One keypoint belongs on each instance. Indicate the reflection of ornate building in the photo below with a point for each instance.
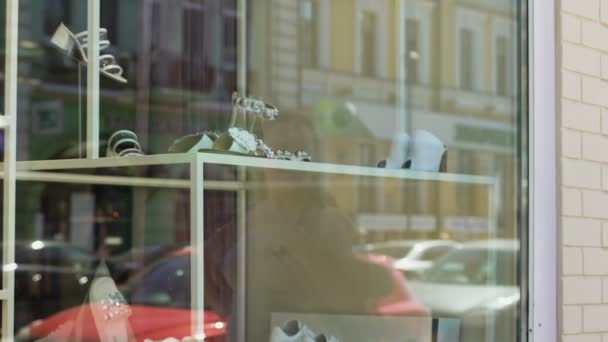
(444, 66)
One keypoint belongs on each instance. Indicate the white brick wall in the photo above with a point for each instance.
(584, 170)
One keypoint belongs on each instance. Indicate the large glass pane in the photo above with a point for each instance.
(400, 84)
(272, 170)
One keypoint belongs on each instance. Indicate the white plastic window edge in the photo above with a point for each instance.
(543, 236)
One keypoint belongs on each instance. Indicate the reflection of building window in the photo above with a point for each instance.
(466, 59)
(56, 12)
(109, 19)
(502, 69)
(368, 43)
(309, 14)
(230, 36)
(412, 50)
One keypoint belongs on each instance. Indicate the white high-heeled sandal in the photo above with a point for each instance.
(65, 40)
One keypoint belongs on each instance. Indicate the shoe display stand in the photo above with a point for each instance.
(78, 171)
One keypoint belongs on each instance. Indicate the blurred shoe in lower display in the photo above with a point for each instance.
(321, 338)
(292, 331)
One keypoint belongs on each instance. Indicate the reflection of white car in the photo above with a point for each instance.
(422, 255)
(413, 257)
(478, 284)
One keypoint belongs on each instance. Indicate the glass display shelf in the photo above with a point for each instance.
(29, 170)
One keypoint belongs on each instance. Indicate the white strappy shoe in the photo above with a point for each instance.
(65, 40)
(123, 143)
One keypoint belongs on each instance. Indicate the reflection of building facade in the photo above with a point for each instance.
(180, 61)
(444, 66)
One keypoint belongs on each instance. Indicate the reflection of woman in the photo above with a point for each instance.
(299, 247)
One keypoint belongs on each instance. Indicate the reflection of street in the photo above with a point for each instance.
(477, 284)
(49, 276)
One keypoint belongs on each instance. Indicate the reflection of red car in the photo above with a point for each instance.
(401, 301)
(159, 301)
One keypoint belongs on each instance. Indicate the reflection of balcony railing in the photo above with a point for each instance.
(318, 83)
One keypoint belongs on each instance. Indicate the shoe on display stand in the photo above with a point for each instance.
(109, 308)
(427, 152)
(75, 45)
(238, 139)
(321, 338)
(292, 331)
(193, 142)
(123, 143)
(422, 152)
(399, 157)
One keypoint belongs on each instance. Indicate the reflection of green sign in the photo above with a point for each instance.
(335, 117)
(484, 135)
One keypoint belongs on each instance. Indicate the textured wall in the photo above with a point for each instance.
(584, 170)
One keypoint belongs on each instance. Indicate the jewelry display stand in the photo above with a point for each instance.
(77, 171)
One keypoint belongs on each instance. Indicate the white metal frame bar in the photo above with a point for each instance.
(233, 160)
(92, 135)
(543, 238)
(10, 157)
(197, 242)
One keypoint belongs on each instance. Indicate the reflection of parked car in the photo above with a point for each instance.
(478, 285)
(123, 266)
(49, 276)
(159, 300)
(401, 300)
(413, 257)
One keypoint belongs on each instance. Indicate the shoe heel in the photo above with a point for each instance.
(63, 39)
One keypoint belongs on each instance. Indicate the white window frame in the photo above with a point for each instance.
(543, 228)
